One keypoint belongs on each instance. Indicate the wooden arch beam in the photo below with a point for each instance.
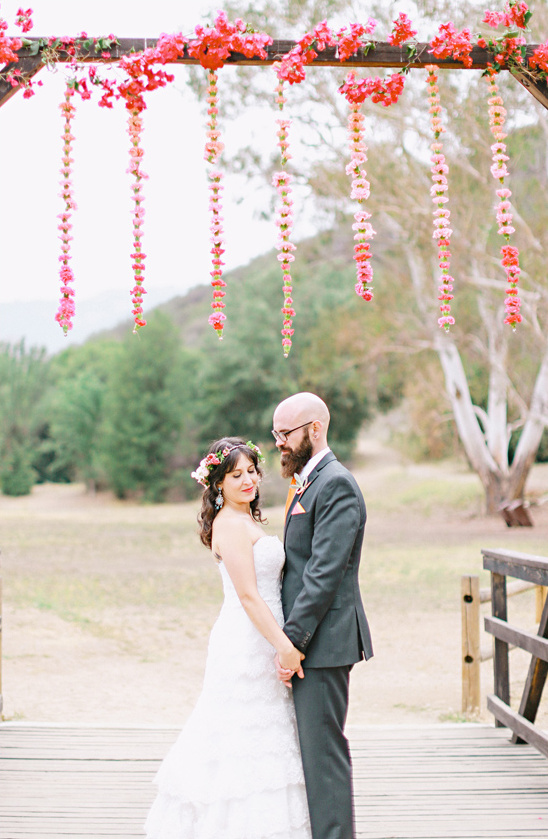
(382, 54)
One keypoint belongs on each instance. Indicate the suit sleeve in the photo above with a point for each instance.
(336, 526)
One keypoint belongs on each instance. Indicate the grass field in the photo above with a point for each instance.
(108, 604)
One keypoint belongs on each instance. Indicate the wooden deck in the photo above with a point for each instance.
(438, 782)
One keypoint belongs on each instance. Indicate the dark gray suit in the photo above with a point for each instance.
(325, 619)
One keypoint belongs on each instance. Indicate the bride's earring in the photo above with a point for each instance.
(219, 501)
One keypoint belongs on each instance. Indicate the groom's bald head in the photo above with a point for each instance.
(304, 408)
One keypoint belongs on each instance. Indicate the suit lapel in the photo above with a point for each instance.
(309, 481)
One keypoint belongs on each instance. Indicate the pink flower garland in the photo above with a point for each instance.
(360, 192)
(499, 170)
(442, 231)
(65, 312)
(213, 149)
(284, 221)
(291, 67)
(135, 128)
(211, 46)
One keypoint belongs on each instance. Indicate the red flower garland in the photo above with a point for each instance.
(539, 59)
(65, 312)
(442, 231)
(291, 67)
(384, 91)
(499, 170)
(507, 48)
(450, 43)
(24, 20)
(402, 31)
(350, 42)
(213, 45)
(516, 13)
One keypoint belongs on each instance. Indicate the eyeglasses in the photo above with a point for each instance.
(281, 436)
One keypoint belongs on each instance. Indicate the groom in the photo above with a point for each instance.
(324, 615)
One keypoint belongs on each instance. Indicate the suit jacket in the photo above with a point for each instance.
(323, 535)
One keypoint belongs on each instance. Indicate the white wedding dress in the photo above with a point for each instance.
(235, 772)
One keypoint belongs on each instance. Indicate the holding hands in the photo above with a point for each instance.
(288, 662)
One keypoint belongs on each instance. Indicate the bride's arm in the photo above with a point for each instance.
(233, 543)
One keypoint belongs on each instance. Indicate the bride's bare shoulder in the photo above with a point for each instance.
(233, 531)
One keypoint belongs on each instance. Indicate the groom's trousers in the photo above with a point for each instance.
(321, 704)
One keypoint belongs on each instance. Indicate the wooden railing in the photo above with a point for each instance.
(531, 569)
(473, 651)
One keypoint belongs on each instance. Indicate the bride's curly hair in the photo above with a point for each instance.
(216, 475)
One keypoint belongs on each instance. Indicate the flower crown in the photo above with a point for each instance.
(215, 458)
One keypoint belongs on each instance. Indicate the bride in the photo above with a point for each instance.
(235, 771)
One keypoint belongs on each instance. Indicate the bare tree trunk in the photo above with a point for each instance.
(471, 436)
(485, 435)
(529, 440)
(496, 431)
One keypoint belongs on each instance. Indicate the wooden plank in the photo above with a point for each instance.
(518, 637)
(525, 730)
(441, 782)
(528, 567)
(28, 65)
(382, 54)
(535, 86)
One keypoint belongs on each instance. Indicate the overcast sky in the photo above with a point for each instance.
(176, 237)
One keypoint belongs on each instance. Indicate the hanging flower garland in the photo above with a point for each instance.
(211, 46)
(140, 76)
(442, 231)
(135, 129)
(213, 149)
(284, 221)
(499, 170)
(65, 312)
(360, 189)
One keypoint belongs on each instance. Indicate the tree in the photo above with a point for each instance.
(23, 384)
(147, 405)
(75, 415)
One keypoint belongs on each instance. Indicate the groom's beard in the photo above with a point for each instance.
(294, 461)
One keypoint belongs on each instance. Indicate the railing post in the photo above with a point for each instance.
(500, 653)
(540, 597)
(471, 651)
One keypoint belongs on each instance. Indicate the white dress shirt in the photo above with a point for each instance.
(312, 463)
